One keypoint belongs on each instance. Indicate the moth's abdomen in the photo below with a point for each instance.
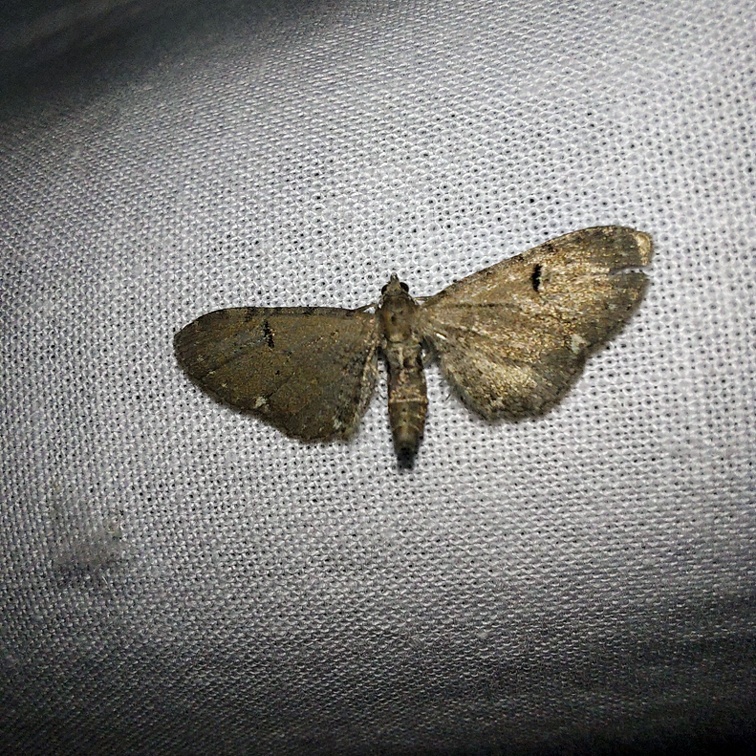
(407, 402)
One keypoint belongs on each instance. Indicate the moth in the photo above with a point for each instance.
(511, 339)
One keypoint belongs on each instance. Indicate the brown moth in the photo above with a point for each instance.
(511, 339)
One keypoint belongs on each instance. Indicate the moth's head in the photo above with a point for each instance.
(394, 288)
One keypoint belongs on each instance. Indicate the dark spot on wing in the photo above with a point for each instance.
(268, 333)
(535, 277)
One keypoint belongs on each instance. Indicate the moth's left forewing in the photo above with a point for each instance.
(512, 338)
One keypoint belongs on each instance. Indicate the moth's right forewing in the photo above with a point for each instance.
(588, 280)
(308, 371)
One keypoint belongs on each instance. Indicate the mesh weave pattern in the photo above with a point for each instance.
(180, 578)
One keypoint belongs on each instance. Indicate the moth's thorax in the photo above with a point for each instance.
(397, 313)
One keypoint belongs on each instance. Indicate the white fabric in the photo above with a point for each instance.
(181, 578)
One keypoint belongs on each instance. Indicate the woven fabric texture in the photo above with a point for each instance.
(179, 578)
